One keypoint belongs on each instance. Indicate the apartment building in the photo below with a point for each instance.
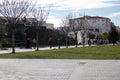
(89, 24)
(92, 23)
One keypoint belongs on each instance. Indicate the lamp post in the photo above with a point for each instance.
(83, 37)
(66, 41)
(37, 35)
(25, 29)
(58, 40)
(25, 34)
(76, 38)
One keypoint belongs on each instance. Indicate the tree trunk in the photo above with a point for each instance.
(13, 41)
(37, 44)
(83, 40)
(66, 42)
(76, 39)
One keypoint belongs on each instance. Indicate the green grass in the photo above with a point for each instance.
(96, 52)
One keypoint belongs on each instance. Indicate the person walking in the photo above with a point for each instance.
(89, 42)
(58, 41)
(28, 43)
(34, 43)
(50, 42)
(31, 42)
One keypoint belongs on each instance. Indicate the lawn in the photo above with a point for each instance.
(95, 52)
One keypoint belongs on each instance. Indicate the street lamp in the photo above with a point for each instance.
(76, 38)
(25, 30)
(37, 34)
(83, 37)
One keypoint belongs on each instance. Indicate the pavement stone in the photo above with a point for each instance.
(59, 69)
(97, 70)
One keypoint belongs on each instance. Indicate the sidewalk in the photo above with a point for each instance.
(59, 69)
(26, 50)
(97, 70)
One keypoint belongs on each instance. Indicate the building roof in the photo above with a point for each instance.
(93, 17)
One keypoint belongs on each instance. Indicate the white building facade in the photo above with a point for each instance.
(90, 24)
(93, 23)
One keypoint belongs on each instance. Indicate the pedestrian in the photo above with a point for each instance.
(31, 42)
(34, 43)
(58, 41)
(89, 42)
(50, 42)
(28, 43)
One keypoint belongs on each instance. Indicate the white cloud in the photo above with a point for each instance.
(74, 5)
(54, 20)
(113, 15)
(77, 4)
(46, 2)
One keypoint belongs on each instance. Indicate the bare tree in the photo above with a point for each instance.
(81, 26)
(73, 27)
(69, 25)
(65, 27)
(12, 11)
(40, 14)
(75, 24)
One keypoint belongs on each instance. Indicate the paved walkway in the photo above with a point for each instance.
(55, 69)
(26, 50)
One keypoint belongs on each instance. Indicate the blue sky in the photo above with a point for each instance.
(60, 8)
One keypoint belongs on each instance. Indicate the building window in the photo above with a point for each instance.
(94, 21)
(98, 20)
(103, 24)
(97, 30)
(90, 29)
(103, 20)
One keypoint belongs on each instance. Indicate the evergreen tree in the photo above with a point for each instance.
(105, 36)
(119, 35)
(113, 35)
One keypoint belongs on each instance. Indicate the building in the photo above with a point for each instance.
(49, 26)
(92, 23)
(33, 21)
(88, 25)
(118, 28)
